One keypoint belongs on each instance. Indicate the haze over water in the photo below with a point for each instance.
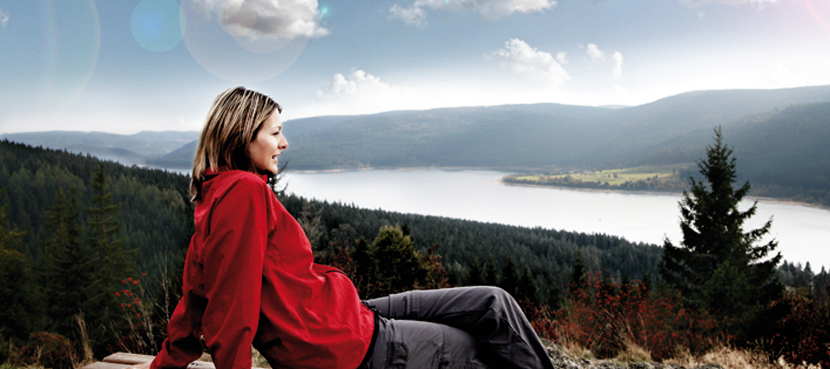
(803, 232)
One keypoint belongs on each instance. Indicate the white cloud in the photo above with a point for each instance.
(598, 56)
(562, 57)
(285, 19)
(490, 9)
(595, 53)
(618, 62)
(4, 19)
(519, 57)
(357, 84)
(413, 16)
(758, 3)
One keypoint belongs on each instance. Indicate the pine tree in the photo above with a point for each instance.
(398, 262)
(66, 273)
(510, 275)
(19, 307)
(578, 277)
(109, 260)
(717, 266)
(491, 272)
(527, 289)
(475, 276)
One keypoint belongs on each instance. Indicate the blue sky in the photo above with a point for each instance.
(127, 66)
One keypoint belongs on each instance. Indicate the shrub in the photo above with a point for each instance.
(802, 335)
(50, 350)
(607, 317)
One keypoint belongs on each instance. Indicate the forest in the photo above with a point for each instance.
(54, 202)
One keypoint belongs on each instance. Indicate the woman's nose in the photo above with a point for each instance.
(283, 143)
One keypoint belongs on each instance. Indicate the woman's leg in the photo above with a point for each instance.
(415, 344)
(488, 313)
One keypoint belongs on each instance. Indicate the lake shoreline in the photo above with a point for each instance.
(765, 199)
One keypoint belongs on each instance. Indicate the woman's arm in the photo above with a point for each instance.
(232, 257)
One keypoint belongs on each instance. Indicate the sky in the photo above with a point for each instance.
(153, 65)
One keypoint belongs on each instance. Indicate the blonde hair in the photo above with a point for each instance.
(232, 123)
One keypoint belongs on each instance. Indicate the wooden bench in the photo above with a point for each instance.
(121, 360)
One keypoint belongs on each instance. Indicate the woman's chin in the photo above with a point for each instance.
(267, 172)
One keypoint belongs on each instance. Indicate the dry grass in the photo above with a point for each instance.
(633, 354)
(725, 356)
(731, 358)
(575, 350)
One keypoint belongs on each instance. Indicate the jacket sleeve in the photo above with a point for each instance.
(182, 345)
(232, 258)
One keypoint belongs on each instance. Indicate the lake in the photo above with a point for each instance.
(803, 232)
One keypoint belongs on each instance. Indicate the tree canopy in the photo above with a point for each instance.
(720, 266)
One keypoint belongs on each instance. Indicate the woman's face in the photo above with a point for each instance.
(265, 149)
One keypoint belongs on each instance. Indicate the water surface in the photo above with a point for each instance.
(803, 232)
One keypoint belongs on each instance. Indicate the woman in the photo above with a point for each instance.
(250, 278)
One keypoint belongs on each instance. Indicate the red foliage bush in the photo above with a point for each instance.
(605, 316)
(50, 350)
(802, 335)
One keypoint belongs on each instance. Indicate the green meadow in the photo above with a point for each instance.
(654, 177)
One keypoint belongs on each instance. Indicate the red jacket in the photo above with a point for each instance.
(250, 277)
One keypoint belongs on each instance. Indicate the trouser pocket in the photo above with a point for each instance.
(397, 355)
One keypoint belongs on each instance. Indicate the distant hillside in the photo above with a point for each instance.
(768, 128)
(181, 158)
(126, 149)
(537, 136)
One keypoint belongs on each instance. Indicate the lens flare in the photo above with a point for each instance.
(224, 41)
(157, 24)
(822, 16)
(68, 51)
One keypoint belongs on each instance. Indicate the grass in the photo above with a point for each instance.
(616, 177)
(725, 356)
(732, 358)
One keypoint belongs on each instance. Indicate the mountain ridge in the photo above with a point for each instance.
(546, 137)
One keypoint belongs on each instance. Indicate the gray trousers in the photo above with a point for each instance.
(466, 327)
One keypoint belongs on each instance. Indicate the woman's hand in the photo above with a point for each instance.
(145, 365)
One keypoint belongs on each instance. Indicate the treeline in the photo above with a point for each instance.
(655, 183)
(548, 254)
(156, 214)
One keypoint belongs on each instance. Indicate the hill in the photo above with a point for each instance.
(539, 137)
(126, 149)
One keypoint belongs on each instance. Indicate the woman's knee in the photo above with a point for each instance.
(494, 294)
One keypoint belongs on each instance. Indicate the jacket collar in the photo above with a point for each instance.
(210, 173)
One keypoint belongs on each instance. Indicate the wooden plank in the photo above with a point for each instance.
(120, 360)
(103, 365)
(130, 359)
(126, 358)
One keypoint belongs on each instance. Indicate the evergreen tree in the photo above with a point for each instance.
(527, 289)
(510, 276)
(491, 272)
(398, 261)
(717, 266)
(391, 264)
(578, 277)
(646, 282)
(66, 273)
(19, 307)
(111, 264)
(475, 276)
